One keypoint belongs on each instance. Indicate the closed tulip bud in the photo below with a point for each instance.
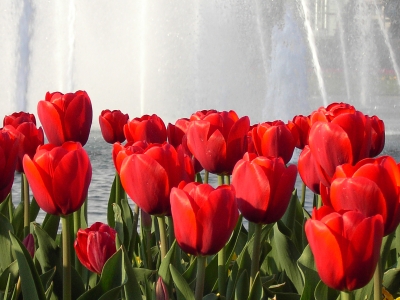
(66, 117)
(18, 118)
(29, 243)
(95, 245)
(59, 177)
(161, 290)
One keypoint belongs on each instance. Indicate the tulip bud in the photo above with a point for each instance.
(161, 290)
(29, 244)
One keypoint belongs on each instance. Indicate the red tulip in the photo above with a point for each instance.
(112, 125)
(177, 136)
(263, 187)
(120, 152)
(372, 187)
(66, 117)
(175, 132)
(8, 159)
(149, 177)
(201, 114)
(340, 134)
(275, 139)
(30, 137)
(378, 136)
(302, 124)
(204, 217)
(95, 245)
(147, 128)
(218, 141)
(18, 118)
(346, 246)
(309, 170)
(59, 177)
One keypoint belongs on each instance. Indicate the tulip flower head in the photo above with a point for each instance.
(346, 246)
(371, 187)
(204, 217)
(149, 177)
(59, 177)
(30, 137)
(147, 128)
(95, 245)
(275, 139)
(112, 125)
(9, 144)
(263, 187)
(66, 117)
(218, 140)
(340, 134)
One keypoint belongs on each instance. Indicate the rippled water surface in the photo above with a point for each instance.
(104, 172)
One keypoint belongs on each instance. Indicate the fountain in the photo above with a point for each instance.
(266, 59)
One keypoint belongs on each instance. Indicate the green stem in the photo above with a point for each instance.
(10, 207)
(346, 295)
(135, 232)
(378, 281)
(227, 179)
(163, 237)
(117, 189)
(77, 225)
(171, 233)
(201, 271)
(66, 241)
(221, 271)
(220, 179)
(303, 194)
(206, 175)
(255, 260)
(25, 199)
(319, 201)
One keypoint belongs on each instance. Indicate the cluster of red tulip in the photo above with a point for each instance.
(159, 170)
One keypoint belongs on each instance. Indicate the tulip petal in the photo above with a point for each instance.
(51, 119)
(149, 190)
(184, 209)
(217, 219)
(39, 181)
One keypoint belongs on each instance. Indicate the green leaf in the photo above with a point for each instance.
(164, 270)
(11, 273)
(256, 291)
(310, 275)
(323, 292)
(6, 256)
(112, 280)
(51, 224)
(33, 210)
(391, 281)
(49, 255)
(242, 286)
(49, 291)
(18, 221)
(47, 277)
(111, 201)
(131, 288)
(288, 256)
(184, 292)
(211, 276)
(119, 226)
(5, 207)
(30, 282)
